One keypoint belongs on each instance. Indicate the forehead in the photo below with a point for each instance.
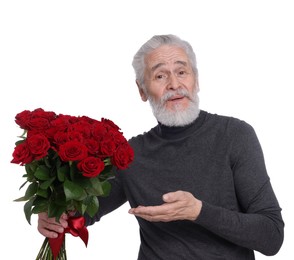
(166, 55)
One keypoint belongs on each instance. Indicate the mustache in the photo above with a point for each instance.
(173, 93)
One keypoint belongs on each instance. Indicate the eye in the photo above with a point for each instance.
(182, 72)
(160, 76)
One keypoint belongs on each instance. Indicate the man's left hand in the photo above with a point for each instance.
(178, 205)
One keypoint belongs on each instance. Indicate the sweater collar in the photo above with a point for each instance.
(174, 132)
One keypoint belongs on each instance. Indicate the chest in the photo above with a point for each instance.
(197, 167)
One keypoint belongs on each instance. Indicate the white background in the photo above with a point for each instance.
(74, 57)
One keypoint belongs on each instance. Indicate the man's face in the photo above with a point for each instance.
(171, 86)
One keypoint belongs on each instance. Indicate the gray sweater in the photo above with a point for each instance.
(219, 160)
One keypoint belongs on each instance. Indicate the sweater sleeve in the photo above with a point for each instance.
(114, 200)
(259, 224)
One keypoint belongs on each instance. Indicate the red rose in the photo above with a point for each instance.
(73, 151)
(84, 128)
(75, 136)
(22, 118)
(118, 137)
(21, 154)
(88, 119)
(91, 166)
(123, 156)
(60, 138)
(38, 124)
(108, 123)
(107, 147)
(93, 146)
(98, 131)
(40, 112)
(37, 120)
(38, 145)
(60, 124)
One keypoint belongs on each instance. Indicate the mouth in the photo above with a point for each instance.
(176, 98)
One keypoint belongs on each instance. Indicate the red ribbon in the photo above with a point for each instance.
(76, 226)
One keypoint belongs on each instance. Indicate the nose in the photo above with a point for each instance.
(173, 82)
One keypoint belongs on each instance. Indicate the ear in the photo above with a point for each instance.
(197, 85)
(141, 92)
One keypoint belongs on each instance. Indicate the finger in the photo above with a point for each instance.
(150, 210)
(133, 210)
(43, 218)
(140, 210)
(172, 196)
(48, 229)
(47, 233)
(157, 218)
(70, 213)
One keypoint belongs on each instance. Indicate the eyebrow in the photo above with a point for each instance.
(184, 63)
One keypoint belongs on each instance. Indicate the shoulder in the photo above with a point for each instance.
(140, 139)
(229, 129)
(228, 123)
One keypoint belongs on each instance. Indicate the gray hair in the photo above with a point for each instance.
(155, 42)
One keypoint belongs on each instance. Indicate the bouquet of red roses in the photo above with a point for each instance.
(68, 162)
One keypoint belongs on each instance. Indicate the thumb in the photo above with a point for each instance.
(169, 197)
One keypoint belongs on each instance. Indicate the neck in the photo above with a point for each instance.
(181, 130)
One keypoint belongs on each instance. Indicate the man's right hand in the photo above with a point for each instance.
(49, 227)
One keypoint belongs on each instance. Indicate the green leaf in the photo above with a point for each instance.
(23, 185)
(47, 162)
(42, 193)
(30, 170)
(106, 186)
(93, 206)
(19, 142)
(44, 185)
(61, 173)
(107, 172)
(74, 173)
(31, 191)
(28, 209)
(73, 191)
(55, 210)
(78, 205)
(23, 198)
(42, 173)
(95, 187)
(39, 208)
(40, 205)
(83, 208)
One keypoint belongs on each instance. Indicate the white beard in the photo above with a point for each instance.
(177, 116)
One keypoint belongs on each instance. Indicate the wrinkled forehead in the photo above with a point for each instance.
(166, 55)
